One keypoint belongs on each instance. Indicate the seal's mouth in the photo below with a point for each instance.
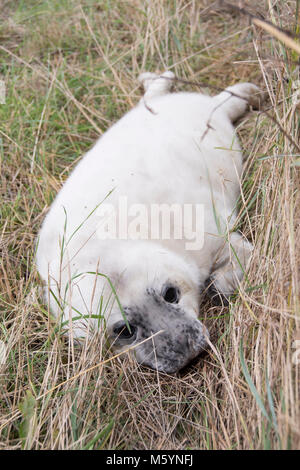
(160, 336)
(163, 364)
(169, 353)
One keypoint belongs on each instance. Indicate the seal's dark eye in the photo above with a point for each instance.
(171, 295)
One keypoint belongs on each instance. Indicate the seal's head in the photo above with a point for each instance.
(160, 292)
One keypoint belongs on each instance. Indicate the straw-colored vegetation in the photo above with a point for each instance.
(70, 69)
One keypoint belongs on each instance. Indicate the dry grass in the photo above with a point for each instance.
(70, 68)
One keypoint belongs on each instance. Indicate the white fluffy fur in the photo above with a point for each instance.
(159, 152)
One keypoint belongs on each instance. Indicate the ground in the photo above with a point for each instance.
(70, 69)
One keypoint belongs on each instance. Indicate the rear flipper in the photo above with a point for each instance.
(230, 265)
(235, 100)
(156, 85)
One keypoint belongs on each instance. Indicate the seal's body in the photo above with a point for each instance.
(173, 149)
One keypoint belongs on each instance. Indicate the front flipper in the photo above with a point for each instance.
(229, 267)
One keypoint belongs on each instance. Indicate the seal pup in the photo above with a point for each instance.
(172, 148)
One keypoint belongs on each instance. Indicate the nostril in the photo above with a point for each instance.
(125, 331)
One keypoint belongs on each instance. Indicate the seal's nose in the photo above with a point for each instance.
(124, 332)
